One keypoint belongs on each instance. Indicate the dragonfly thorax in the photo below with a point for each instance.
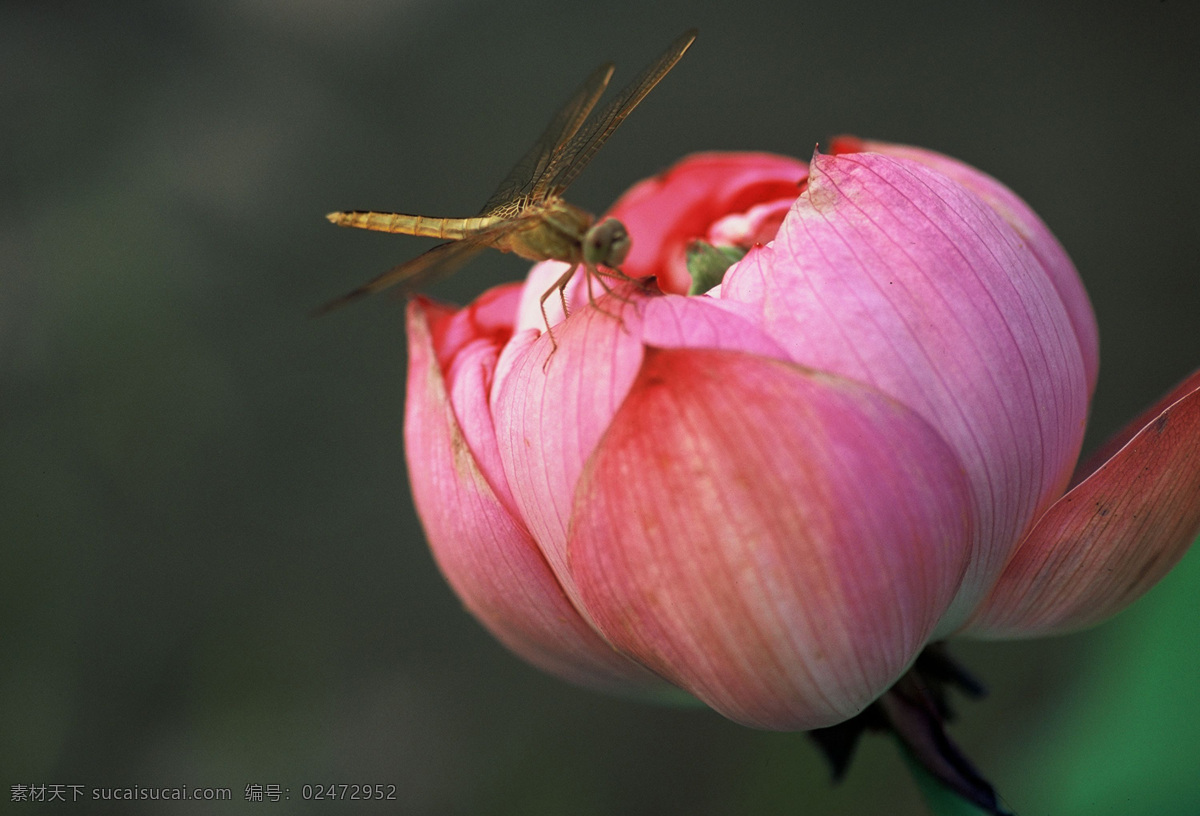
(606, 243)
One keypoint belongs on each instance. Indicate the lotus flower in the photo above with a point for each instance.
(775, 494)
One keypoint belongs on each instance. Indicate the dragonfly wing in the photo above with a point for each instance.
(519, 183)
(576, 154)
(438, 262)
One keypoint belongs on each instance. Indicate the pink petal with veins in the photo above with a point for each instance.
(1012, 208)
(777, 541)
(550, 414)
(890, 273)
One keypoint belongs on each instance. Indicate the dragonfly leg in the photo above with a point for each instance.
(560, 286)
(590, 271)
(600, 275)
(615, 274)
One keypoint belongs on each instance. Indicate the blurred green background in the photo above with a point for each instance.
(213, 575)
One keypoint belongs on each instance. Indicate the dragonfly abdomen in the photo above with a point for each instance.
(448, 229)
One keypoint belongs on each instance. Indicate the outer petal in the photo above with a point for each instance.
(893, 274)
(666, 212)
(484, 552)
(1113, 536)
(551, 411)
(777, 541)
(1013, 209)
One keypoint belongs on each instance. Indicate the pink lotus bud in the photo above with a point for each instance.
(773, 496)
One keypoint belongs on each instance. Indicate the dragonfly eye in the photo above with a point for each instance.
(607, 243)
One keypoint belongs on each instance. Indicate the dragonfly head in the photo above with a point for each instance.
(606, 243)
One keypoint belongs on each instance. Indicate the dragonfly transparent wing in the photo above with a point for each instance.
(442, 260)
(567, 164)
(515, 191)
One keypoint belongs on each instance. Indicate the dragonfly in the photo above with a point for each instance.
(527, 214)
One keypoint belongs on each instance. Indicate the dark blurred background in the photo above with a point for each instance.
(213, 575)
